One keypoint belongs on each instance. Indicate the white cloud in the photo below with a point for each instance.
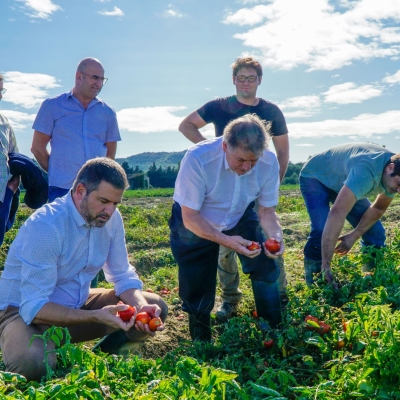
(149, 119)
(172, 13)
(361, 127)
(306, 105)
(305, 145)
(19, 120)
(290, 33)
(392, 79)
(347, 93)
(40, 8)
(27, 90)
(117, 12)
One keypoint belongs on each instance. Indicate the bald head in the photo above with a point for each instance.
(88, 62)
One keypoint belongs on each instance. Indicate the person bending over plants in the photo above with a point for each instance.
(218, 182)
(49, 267)
(345, 176)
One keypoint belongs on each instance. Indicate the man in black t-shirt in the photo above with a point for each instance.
(247, 76)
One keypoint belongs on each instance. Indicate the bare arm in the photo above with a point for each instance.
(281, 144)
(334, 224)
(111, 150)
(194, 222)
(39, 149)
(190, 127)
(373, 214)
(270, 223)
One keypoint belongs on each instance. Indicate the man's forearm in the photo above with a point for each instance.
(270, 222)
(332, 230)
(59, 315)
(369, 218)
(43, 159)
(191, 132)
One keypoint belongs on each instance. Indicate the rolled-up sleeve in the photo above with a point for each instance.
(117, 269)
(44, 121)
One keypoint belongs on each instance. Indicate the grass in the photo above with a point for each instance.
(301, 365)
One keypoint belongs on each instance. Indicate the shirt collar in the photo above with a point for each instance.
(96, 100)
(73, 211)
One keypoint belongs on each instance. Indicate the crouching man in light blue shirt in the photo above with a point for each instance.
(47, 274)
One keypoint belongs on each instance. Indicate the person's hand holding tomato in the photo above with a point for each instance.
(274, 247)
(142, 320)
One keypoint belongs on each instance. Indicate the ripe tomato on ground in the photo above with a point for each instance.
(253, 246)
(268, 343)
(154, 323)
(323, 328)
(272, 245)
(127, 314)
(340, 344)
(254, 314)
(143, 317)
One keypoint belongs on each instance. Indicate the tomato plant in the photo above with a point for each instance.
(127, 314)
(154, 323)
(143, 317)
(253, 246)
(323, 328)
(272, 245)
(312, 323)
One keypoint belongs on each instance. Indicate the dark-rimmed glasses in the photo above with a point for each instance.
(242, 78)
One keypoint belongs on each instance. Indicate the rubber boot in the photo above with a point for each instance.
(268, 304)
(94, 282)
(200, 327)
(311, 267)
(111, 343)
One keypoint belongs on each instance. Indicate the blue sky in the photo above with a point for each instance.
(333, 67)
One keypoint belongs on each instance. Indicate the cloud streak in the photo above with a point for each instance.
(19, 120)
(117, 12)
(348, 93)
(27, 90)
(289, 33)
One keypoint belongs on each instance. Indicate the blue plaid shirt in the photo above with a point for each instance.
(77, 135)
(56, 255)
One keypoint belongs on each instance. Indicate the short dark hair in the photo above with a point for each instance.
(246, 62)
(101, 169)
(249, 132)
(396, 161)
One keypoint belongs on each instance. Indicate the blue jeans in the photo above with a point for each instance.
(56, 192)
(317, 198)
(197, 259)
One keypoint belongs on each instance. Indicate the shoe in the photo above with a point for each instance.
(200, 327)
(284, 300)
(226, 311)
(112, 343)
(369, 266)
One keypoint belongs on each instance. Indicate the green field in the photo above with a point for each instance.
(358, 358)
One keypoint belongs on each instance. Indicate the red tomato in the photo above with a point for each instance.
(149, 290)
(254, 314)
(253, 246)
(375, 333)
(345, 326)
(323, 328)
(143, 317)
(272, 246)
(268, 343)
(127, 314)
(340, 344)
(154, 324)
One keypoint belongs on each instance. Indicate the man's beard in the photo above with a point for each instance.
(92, 220)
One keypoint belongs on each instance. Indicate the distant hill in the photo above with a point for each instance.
(145, 160)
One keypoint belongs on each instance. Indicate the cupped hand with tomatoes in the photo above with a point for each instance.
(148, 319)
(274, 247)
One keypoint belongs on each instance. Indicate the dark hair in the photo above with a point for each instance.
(246, 62)
(249, 132)
(101, 169)
(396, 161)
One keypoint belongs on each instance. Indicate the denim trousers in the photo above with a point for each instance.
(56, 192)
(318, 198)
(8, 211)
(197, 259)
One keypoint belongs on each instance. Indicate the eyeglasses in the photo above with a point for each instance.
(96, 78)
(242, 78)
(2, 91)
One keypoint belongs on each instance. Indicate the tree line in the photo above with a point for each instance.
(159, 177)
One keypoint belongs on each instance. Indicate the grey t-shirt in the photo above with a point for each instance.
(359, 166)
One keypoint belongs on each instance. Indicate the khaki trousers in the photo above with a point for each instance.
(15, 334)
